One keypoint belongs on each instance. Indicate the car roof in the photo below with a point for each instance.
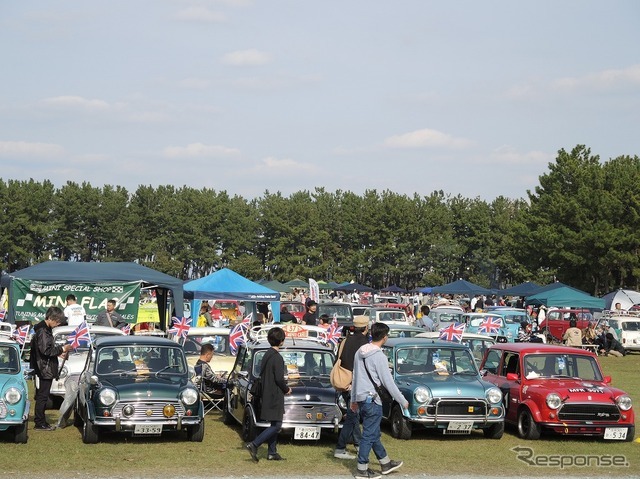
(289, 344)
(208, 331)
(92, 328)
(417, 341)
(405, 327)
(540, 348)
(134, 340)
(465, 335)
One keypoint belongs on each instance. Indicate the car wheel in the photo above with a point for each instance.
(495, 431)
(248, 426)
(20, 433)
(89, 433)
(631, 432)
(196, 433)
(527, 427)
(400, 427)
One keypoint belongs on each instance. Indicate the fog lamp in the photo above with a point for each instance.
(169, 410)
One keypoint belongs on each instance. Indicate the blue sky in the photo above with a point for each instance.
(469, 97)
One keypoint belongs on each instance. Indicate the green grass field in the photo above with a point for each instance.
(221, 452)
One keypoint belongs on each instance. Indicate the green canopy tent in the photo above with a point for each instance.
(566, 296)
(297, 283)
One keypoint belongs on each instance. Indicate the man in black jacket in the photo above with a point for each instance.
(351, 427)
(44, 361)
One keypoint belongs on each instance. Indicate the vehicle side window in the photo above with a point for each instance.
(240, 364)
(510, 364)
(492, 362)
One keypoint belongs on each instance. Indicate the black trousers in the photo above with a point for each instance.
(42, 396)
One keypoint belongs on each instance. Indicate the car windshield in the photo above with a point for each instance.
(9, 360)
(561, 366)
(631, 326)
(63, 338)
(514, 318)
(448, 317)
(392, 316)
(295, 307)
(442, 361)
(220, 343)
(141, 360)
(342, 311)
(497, 321)
(300, 364)
(477, 346)
(404, 333)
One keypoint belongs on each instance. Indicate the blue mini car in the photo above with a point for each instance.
(491, 324)
(14, 397)
(443, 386)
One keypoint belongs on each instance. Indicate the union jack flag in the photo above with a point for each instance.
(3, 313)
(490, 325)
(334, 332)
(238, 335)
(453, 332)
(79, 335)
(21, 334)
(126, 329)
(180, 327)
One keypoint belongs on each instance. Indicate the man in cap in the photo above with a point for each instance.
(356, 337)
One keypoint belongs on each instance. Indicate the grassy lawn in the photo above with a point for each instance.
(221, 453)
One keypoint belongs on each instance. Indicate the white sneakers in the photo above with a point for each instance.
(343, 454)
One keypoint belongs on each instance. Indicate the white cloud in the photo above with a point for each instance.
(26, 149)
(201, 14)
(507, 155)
(283, 166)
(426, 138)
(77, 102)
(251, 57)
(602, 80)
(199, 150)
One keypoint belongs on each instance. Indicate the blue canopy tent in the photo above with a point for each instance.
(523, 289)
(360, 288)
(394, 289)
(460, 287)
(227, 284)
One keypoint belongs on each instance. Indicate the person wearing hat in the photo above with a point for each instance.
(356, 337)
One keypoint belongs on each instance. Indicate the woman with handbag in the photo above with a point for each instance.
(371, 376)
(274, 388)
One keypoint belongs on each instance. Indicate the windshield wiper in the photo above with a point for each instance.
(123, 372)
(464, 373)
(165, 368)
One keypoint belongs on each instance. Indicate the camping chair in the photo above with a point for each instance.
(213, 394)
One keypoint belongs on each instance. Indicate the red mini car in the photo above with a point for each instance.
(294, 307)
(557, 321)
(558, 388)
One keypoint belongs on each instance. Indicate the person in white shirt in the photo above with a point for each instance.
(74, 312)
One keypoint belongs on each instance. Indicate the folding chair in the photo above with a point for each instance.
(212, 395)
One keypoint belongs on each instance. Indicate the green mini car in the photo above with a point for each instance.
(137, 385)
(443, 386)
(14, 401)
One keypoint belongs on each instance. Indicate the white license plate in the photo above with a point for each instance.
(616, 433)
(307, 433)
(460, 426)
(147, 429)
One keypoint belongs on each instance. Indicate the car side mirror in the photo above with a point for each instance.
(483, 372)
(607, 379)
(512, 377)
(192, 371)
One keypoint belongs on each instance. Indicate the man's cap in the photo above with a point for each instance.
(361, 321)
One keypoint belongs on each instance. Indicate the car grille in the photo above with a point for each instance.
(589, 412)
(3, 410)
(147, 411)
(311, 413)
(471, 408)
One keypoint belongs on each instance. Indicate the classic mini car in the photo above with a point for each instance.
(139, 385)
(511, 315)
(556, 321)
(558, 388)
(443, 316)
(443, 386)
(404, 331)
(477, 343)
(627, 328)
(388, 316)
(312, 407)
(492, 325)
(77, 358)
(219, 337)
(294, 307)
(14, 396)
(224, 312)
(341, 310)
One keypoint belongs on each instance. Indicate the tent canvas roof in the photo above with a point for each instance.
(460, 287)
(227, 284)
(276, 286)
(566, 296)
(523, 289)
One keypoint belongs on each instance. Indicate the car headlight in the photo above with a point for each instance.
(553, 400)
(189, 396)
(494, 395)
(341, 402)
(107, 396)
(12, 395)
(422, 395)
(624, 403)
(63, 373)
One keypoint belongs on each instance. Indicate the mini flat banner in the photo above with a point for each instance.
(32, 298)
(314, 290)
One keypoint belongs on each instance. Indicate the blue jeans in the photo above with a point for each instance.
(371, 415)
(270, 436)
(350, 427)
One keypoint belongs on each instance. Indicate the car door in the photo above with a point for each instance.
(235, 387)
(497, 365)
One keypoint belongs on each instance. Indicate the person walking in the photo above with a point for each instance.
(274, 388)
(351, 425)
(371, 366)
(44, 361)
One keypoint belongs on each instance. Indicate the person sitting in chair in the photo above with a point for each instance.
(203, 368)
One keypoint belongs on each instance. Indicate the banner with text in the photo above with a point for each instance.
(33, 298)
